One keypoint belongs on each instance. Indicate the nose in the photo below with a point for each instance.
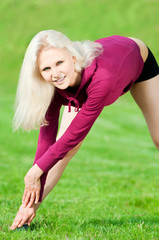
(54, 74)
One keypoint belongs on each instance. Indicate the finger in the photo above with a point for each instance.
(37, 197)
(24, 195)
(31, 218)
(31, 201)
(13, 227)
(16, 220)
(23, 221)
(27, 198)
(16, 223)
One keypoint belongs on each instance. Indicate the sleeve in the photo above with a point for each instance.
(47, 135)
(79, 127)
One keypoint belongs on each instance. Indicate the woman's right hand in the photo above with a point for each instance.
(24, 216)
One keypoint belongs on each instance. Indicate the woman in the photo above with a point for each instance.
(86, 76)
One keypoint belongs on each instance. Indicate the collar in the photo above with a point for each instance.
(86, 75)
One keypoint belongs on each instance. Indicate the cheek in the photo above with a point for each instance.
(69, 68)
(45, 76)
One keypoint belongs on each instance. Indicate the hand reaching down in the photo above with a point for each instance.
(32, 186)
(24, 216)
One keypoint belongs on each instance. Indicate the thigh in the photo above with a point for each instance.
(146, 95)
(67, 118)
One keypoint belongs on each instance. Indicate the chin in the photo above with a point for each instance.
(62, 86)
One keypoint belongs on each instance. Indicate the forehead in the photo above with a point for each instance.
(52, 54)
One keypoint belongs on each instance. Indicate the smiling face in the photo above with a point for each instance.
(57, 67)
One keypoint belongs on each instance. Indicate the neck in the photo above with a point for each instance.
(74, 87)
(77, 81)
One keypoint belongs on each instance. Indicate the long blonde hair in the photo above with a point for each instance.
(34, 94)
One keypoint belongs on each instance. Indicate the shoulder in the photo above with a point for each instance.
(114, 39)
(117, 43)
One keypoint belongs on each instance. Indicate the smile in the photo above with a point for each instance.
(59, 80)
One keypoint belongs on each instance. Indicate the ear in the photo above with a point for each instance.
(74, 59)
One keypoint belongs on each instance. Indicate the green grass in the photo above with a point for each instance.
(110, 189)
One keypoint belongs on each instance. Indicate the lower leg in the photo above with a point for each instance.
(55, 172)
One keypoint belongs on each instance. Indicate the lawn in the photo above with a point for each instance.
(109, 190)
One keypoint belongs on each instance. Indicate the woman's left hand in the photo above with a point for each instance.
(32, 186)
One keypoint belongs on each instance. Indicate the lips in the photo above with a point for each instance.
(59, 80)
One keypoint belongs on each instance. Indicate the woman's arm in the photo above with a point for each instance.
(27, 214)
(35, 179)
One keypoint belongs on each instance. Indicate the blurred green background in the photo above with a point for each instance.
(78, 19)
(20, 20)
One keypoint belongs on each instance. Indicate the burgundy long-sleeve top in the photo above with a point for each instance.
(109, 76)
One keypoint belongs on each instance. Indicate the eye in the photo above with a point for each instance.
(59, 62)
(46, 68)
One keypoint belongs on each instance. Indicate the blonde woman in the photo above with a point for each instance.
(85, 77)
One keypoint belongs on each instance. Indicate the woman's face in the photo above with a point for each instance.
(57, 67)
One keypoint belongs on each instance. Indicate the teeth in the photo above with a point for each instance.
(60, 79)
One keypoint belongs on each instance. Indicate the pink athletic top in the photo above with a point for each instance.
(110, 75)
